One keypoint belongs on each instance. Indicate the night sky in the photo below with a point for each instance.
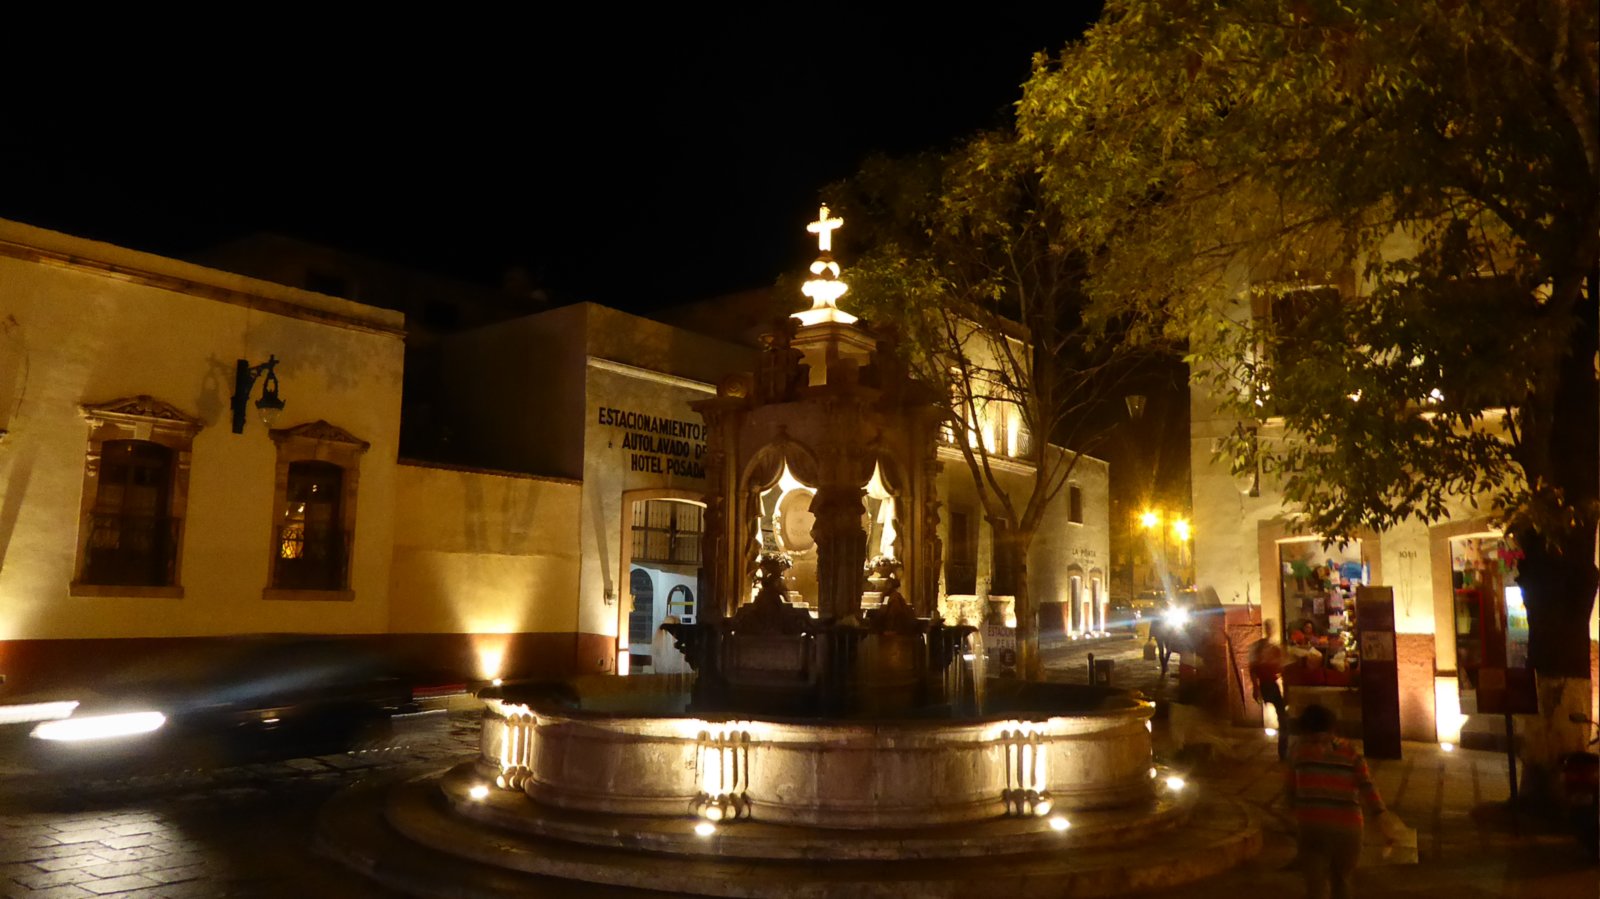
(675, 161)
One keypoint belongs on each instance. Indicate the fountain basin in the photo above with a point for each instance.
(627, 746)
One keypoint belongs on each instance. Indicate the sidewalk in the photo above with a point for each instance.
(1468, 843)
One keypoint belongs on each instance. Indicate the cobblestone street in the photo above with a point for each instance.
(242, 831)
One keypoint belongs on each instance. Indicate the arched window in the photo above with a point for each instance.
(642, 616)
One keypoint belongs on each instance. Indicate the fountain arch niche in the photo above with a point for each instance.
(835, 740)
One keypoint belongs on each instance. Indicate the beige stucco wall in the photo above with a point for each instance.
(484, 552)
(611, 484)
(85, 322)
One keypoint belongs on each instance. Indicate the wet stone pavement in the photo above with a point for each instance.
(239, 831)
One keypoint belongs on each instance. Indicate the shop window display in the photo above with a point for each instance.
(1491, 620)
(1319, 606)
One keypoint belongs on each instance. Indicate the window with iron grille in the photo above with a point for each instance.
(135, 490)
(318, 478)
(311, 539)
(667, 532)
(132, 533)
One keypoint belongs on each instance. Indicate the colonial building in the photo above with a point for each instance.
(552, 527)
(1459, 621)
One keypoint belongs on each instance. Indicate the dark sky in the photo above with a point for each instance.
(632, 160)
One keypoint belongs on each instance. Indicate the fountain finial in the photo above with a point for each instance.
(824, 287)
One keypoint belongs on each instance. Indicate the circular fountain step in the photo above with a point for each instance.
(515, 812)
(410, 837)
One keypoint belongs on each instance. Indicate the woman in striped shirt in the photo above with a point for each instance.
(1328, 783)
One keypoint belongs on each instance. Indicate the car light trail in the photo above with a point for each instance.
(100, 727)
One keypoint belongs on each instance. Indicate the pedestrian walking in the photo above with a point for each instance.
(1266, 665)
(1328, 783)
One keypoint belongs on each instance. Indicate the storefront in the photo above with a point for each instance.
(1491, 624)
(1318, 583)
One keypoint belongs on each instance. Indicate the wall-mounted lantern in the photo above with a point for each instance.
(244, 380)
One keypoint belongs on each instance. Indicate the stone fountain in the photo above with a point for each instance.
(838, 737)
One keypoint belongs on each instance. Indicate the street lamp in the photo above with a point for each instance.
(244, 380)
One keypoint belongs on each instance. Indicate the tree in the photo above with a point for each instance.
(1439, 164)
(963, 261)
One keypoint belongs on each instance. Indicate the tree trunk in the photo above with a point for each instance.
(1011, 558)
(1557, 573)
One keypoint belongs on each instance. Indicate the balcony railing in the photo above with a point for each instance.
(131, 550)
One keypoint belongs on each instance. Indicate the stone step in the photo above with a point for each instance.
(406, 835)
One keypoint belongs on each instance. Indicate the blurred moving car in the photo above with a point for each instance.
(222, 702)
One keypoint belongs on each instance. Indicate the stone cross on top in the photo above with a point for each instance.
(824, 227)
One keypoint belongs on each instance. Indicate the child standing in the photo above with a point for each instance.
(1328, 783)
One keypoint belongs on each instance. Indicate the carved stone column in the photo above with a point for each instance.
(841, 550)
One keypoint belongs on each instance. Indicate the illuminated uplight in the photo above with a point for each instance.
(1059, 823)
(1448, 747)
(1448, 719)
(490, 650)
(497, 682)
(1153, 774)
(100, 727)
(1174, 782)
(705, 829)
(28, 713)
(1149, 727)
(479, 792)
(969, 656)
(1272, 731)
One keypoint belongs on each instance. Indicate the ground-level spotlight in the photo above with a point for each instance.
(705, 829)
(1149, 727)
(496, 682)
(1174, 782)
(1059, 823)
(968, 656)
(1152, 774)
(1272, 731)
(1448, 747)
(479, 792)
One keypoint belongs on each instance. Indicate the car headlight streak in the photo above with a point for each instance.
(99, 727)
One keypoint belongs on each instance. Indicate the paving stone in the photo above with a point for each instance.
(93, 835)
(132, 840)
(178, 874)
(135, 828)
(130, 854)
(84, 859)
(46, 879)
(117, 884)
(115, 869)
(65, 891)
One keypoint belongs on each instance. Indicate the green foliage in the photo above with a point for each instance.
(1438, 163)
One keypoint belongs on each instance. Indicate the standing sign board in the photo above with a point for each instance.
(1380, 674)
(1002, 641)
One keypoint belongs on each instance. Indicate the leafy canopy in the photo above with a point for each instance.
(1222, 163)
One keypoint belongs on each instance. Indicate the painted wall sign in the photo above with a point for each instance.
(657, 444)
